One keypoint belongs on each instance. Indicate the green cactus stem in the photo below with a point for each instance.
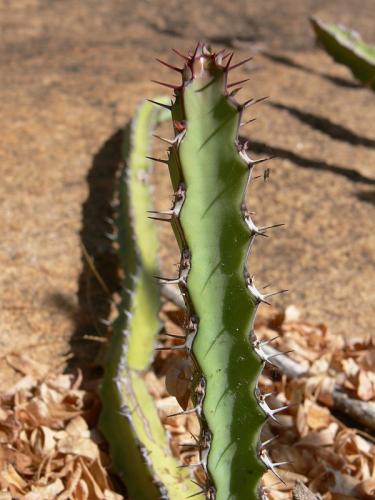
(138, 443)
(210, 169)
(347, 47)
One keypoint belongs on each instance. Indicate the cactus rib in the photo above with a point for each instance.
(129, 419)
(210, 170)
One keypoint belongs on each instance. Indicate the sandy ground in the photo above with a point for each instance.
(72, 74)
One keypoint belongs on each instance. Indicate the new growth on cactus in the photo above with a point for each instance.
(347, 47)
(210, 169)
(129, 419)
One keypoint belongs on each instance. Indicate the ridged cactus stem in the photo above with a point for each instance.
(129, 420)
(210, 170)
(347, 47)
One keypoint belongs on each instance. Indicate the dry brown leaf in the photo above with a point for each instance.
(51, 442)
(317, 417)
(366, 385)
(72, 482)
(325, 391)
(367, 360)
(9, 478)
(82, 491)
(42, 440)
(47, 492)
(154, 385)
(111, 495)
(4, 495)
(178, 380)
(81, 446)
(24, 384)
(325, 437)
(48, 441)
(366, 489)
(291, 314)
(95, 492)
(9, 429)
(24, 364)
(343, 483)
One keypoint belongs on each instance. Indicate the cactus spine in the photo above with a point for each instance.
(129, 420)
(210, 170)
(347, 47)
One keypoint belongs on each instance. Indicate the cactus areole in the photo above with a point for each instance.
(210, 170)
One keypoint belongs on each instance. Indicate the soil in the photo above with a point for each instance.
(72, 74)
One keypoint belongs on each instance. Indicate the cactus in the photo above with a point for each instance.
(210, 169)
(129, 420)
(347, 47)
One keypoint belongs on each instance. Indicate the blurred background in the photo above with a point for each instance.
(72, 74)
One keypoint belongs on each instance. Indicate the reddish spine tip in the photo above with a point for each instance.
(170, 66)
(194, 55)
(240, 63)
(252, 101)
(166, 106)
(169, 85)
(229, 61)
(186, 58)
(160, 160)
(237, 83)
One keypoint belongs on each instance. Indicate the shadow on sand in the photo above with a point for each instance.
(94, 294)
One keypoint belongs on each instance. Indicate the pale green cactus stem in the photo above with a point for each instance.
(210, 170)
(347, 47)
(129, 420)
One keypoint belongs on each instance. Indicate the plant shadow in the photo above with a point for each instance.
(310, 163)
(326, 126)
(366, 196)
(287, 61)
(98, 278)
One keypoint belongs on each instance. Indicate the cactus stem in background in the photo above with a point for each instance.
(129, 420)
(348, 48)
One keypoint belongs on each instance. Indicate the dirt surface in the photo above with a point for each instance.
(72, 74)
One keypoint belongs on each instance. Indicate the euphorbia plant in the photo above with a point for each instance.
(210, 169)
